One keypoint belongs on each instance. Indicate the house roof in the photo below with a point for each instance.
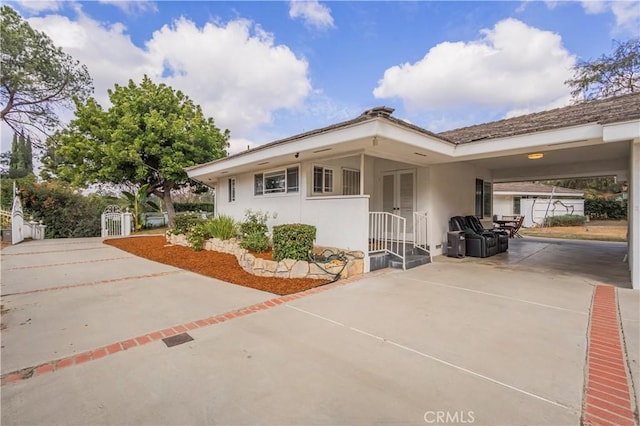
(530, 187)
(367, 115)
(611, 110)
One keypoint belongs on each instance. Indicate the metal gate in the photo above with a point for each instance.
(115, 223)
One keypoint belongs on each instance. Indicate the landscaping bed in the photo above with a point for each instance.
(213, 264)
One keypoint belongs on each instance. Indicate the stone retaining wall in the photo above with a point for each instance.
(286, 268)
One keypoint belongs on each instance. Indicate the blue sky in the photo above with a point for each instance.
(270, 69)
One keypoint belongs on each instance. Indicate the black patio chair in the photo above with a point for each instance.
(502, 236)
(477, 245)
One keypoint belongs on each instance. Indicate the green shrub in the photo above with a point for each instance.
(565, 220)
(293, 241)
(222, 227)
(255, 242)
(197, 235)
(182, 223)
(605, 209)
(254, 231)
(254, 223)
(65, 212)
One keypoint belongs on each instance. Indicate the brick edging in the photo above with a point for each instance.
(608, 394)
(81, 358)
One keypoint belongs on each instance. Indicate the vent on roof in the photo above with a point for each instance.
(382, 111)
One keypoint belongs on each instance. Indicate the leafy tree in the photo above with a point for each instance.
(149, 135)
(36, 77)
(609, 75)
(139, 201)
(21, 157)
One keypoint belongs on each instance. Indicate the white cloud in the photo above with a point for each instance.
(312, 13)
(511, 66)
(132, 7)
(107, 51)
(33, 6)
(233, 70)
(626, 13)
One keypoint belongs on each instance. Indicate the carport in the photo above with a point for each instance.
(589, 139)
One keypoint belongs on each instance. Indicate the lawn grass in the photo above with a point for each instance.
(597, 230)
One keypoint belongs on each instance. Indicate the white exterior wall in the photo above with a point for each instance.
(634, 214)
(451, 193)
(341, 222)
(534, 209)
(502, 205)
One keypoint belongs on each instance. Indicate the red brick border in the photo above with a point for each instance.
(608, 391)
(51, 366)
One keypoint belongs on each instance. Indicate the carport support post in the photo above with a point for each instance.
(634, 214)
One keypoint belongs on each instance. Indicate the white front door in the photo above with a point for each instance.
(398, 196)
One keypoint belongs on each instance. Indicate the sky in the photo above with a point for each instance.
(267, 70)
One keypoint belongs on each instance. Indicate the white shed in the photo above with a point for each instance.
(535, 201)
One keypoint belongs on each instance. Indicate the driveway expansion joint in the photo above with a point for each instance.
(111, 349)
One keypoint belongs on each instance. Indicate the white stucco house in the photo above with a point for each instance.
(351, 178)
(535, 201)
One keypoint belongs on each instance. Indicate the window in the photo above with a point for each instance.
(487, 195)
(258, 184)
(322, 179)
(484, 200)
(516, 205)
(276, 181)
(350, 182)
(292, 179)
(479, 198)
(232, 189)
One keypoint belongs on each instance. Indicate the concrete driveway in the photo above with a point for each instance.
(451, 342)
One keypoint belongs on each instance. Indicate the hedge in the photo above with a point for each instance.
(565, 220)
(605, 209)
(293, 241)
(193, 207)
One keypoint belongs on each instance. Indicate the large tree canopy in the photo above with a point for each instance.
(36, 77)
(147, 137)
(609, 75)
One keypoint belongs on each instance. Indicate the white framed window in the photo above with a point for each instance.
(350, 182)
(322, 179)
(276, 181)
(232, 190)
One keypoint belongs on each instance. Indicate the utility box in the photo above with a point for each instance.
(456, 244)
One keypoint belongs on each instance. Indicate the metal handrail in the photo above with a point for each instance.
(387, 234)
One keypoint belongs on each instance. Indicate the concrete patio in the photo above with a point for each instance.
(490, 341)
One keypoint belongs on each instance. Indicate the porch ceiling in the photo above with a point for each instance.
(588, 159)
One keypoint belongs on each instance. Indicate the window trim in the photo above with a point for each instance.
(287, 190)
(232, 189)
(483, 199)
(324, 179)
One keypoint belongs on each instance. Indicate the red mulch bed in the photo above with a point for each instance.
(213, 264)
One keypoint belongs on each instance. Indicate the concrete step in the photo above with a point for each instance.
(411, 261)
(379, 261)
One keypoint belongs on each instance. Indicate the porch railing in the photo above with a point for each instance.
(387, 234)
(421, 232)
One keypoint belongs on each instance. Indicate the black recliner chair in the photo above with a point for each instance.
(477, 245)
(503, 236)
